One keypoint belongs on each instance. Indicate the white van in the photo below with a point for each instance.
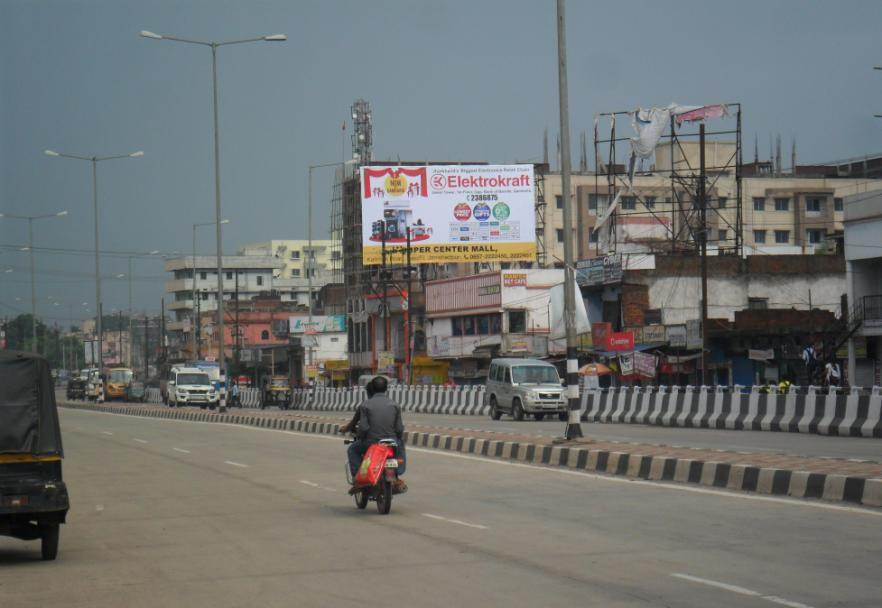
(524, 386)
(191, 386)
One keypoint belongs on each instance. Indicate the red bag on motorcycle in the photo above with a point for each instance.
(372, 465)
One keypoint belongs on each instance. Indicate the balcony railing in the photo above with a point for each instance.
(872, 307)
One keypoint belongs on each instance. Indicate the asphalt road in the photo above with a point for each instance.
(171, 513)
(799, 444)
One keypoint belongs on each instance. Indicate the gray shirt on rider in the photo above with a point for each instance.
(380, 419)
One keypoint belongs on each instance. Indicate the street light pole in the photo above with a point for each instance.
(30, 219)
(574, 426)
(193, 296)
(99, 326)
(217, 192)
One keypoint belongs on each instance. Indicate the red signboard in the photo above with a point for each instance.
(620, 340)
(599, 332)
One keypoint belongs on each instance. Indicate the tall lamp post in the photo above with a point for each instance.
(99, 328)
(574, 426)
(213, 45)
(193, 296)
(30, 219)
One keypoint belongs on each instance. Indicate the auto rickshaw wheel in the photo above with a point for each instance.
(49, 541)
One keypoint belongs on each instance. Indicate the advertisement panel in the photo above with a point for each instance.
(645, 364)
(320, 324)
(653, 334)
(599, 332)
(693, 333)
(620, 340)
(676, 335)
(455, 213)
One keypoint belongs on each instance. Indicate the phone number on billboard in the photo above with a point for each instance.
(482, 197)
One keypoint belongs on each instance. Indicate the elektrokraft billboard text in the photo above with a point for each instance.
(454, 213)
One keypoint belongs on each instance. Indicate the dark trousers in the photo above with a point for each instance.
(359, 447)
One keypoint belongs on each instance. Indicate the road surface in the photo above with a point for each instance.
(173, 513)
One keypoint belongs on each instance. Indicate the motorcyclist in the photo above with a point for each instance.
(376, 418)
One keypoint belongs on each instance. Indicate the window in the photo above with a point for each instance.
(722, 202)
(559, 235)
(722, 234)
(837, 204)
(229, 276)
(495, 324)
(592, 202)
(456, 326)
(782, 236)
(517, 321)
(260, 280)
(483, 325)
(782, 204)
(629, 203)
(815, 236)
(759, 204)
(558, 201)
(295, 272)
(203, 296)
(814, 205)
(264, 335)
(757, 303)
(335, 339)
(468, 326)
(652, 316)
(759, 236)
(593, 235)
(507, 378)
(649, 202)
(335, 255)
(203, 275)
(295, 255)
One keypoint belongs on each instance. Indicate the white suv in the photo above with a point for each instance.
(191, 386)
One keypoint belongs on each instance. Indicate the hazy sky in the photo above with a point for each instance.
(459, 80)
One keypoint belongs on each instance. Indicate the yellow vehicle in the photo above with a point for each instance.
(118, 380)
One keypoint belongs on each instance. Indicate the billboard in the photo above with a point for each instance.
(320, 324)
(455, 213)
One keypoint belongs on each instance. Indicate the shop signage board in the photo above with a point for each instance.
(455, 213)
(605, 270)
(693, 333)
(645, 364)
(676, 335)
(654, 334)
(620, 340)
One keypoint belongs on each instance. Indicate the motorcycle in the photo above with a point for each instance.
(377, 477)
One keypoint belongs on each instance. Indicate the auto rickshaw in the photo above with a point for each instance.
(33, 498)
(278, 392)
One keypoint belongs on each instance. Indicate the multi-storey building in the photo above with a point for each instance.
(244, 278)
(294, 255)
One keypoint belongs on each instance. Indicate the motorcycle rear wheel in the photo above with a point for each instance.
(384, 497)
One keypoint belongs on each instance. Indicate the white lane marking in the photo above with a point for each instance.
(309, 483)
(780, 600)
(717, 584)
(99, 508)
(236, 464)
(140, 440)
(181, 451)
(741, 590)
(793, 502)
(107, 432)
(454, 521)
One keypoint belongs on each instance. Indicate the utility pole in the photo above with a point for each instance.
(146, 347)
(409, 344)
(702, 205)
(384, 310)
(162, 352)
(574, 426)
(198, 327)
(131, 357)
(119, 354)
(236, 344)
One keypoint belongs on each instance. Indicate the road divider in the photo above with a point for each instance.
(825, 479)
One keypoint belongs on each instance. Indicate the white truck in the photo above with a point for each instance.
(191, 386)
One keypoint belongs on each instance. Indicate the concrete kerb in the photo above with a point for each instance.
(739, 477)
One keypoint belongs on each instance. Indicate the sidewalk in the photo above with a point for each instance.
(821, 478)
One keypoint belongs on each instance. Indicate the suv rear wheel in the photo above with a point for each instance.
(495, 414)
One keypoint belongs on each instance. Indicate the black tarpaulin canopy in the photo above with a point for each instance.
(28, 418)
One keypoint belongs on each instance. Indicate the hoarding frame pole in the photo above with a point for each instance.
(409, 342)
(574, 426)
(702, 200)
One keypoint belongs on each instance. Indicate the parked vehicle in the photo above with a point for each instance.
(524, 386)
(33, 497)
(135, 391)
(191, 386)
(118, 379)
(278, 392)
(376, 477)
(76, 387)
